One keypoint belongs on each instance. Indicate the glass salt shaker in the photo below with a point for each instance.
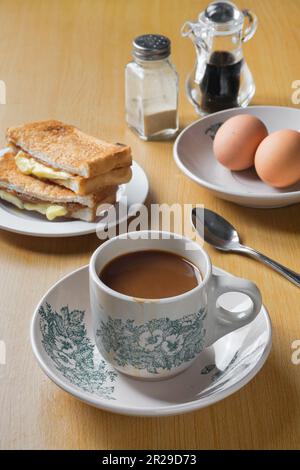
(151, 89)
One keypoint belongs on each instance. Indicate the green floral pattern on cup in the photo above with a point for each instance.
(157, 344)
(65, 340)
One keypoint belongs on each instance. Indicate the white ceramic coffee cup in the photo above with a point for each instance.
(156, 339)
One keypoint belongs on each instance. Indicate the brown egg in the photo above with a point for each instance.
(277, 159)
(237, 139)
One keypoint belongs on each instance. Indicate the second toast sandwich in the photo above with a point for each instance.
(53, 201)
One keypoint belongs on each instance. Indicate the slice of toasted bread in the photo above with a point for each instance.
(73, 210)
(83, 186)
(12, 179)
(89, 214)
(65, 147)
(77, 184)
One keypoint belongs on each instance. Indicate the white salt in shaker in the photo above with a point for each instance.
(151, 89)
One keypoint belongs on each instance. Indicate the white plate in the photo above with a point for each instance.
(62, 341)
(193, 153)
(32, 223)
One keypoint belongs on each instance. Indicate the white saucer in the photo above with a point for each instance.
(32, 223)
(193, 153)
(63, 344)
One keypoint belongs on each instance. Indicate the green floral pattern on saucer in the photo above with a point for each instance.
(65, 340)
(157, 344)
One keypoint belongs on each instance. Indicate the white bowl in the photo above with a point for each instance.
(193, 153)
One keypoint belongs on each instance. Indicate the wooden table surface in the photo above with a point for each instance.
(65, 59)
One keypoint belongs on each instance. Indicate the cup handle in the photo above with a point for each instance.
(252, 25)
(222, 321)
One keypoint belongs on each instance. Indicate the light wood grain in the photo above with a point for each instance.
(65, 59)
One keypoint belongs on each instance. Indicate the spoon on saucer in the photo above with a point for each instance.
(219, 233)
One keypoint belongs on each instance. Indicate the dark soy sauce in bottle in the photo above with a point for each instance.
(221, 82)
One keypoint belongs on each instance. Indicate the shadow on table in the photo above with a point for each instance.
(283, 219)
(270, 418)
(58, 246)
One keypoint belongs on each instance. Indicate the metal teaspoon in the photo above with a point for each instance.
(219, 233)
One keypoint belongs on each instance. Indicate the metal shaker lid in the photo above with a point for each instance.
(151, 47)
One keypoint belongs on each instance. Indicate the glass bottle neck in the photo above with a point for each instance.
(230, 44)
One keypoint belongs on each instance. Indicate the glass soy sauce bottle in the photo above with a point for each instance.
(221, 78)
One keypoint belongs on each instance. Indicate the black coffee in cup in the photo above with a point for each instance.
(150, 274)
